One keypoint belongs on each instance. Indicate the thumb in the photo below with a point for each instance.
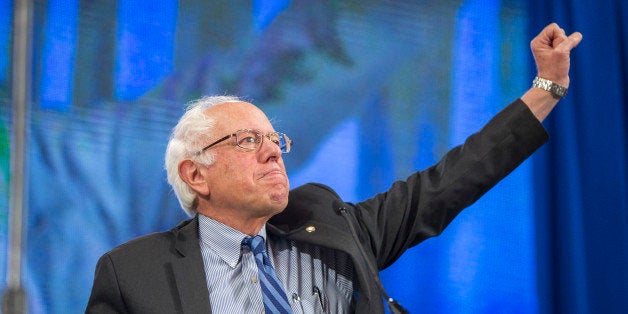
(570, 42)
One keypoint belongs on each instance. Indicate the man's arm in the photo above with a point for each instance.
(424, 204)
(551, 50)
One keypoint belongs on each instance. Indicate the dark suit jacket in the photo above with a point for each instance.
(163, 272)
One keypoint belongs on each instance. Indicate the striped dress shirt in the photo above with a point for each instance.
(316, 279)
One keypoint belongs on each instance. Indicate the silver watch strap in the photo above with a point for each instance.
(556, 90)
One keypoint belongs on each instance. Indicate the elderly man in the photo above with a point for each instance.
(254, 246)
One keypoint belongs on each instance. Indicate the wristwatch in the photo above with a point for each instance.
(556, 90)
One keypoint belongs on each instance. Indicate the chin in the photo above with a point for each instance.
(279, 200)
(279, 193)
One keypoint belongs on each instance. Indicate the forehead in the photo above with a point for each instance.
(231, 116)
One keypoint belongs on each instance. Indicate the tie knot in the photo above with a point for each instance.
(255, 244)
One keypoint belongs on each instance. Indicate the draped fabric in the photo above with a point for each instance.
(582, 174)
(370, 91)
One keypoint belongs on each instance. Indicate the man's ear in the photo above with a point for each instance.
(191, 173)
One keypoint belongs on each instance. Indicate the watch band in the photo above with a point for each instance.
(556, 90)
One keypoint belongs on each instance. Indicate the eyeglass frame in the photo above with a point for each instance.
(289, 141)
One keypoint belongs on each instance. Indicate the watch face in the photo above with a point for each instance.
(558, 90)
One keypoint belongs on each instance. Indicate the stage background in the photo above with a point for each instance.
(370, 91)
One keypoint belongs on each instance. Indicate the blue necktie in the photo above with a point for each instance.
(275, 300)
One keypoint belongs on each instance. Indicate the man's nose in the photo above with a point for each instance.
(269, 149)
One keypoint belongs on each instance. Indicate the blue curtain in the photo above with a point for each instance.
(582, 174)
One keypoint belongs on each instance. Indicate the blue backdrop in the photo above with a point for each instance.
(370, 91)
(582, 175)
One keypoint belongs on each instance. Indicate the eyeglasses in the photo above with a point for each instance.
(252, 140)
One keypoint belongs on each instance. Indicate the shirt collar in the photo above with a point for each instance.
(222, 239)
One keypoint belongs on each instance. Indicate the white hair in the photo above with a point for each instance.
(191, 132)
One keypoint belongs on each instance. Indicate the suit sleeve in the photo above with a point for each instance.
(105, 296)
(426, 202)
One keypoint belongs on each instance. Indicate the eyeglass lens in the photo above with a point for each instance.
(250, 140)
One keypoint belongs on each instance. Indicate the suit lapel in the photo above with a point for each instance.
(188, 270)
(311, 217)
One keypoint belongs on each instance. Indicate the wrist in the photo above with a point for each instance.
(540, 102)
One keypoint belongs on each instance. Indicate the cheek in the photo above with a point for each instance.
(236, 175)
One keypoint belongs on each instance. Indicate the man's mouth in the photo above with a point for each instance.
(273, 173)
